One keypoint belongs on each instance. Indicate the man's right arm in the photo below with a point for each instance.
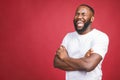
(61, 65)
(58, 63)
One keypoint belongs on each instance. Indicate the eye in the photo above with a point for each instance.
(77, 14)
(83, 14)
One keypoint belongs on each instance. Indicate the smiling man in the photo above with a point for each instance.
(82, 52)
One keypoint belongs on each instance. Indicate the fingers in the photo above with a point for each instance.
(59, 50)
(90, 51)
(63, 48)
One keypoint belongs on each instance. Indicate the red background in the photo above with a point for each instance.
(32, 30)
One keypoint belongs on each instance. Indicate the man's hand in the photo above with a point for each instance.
(62, 53)
(90, 51)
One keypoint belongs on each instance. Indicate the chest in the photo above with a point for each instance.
(79, 46)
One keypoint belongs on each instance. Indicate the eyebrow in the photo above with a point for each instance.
(83, 12)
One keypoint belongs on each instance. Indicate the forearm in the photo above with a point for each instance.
(84, 63)
(61, 65)
(76, 64)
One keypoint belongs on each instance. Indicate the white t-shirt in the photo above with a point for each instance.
(77, 45)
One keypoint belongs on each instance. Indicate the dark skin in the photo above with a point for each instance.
(59, 63)
(90, 60)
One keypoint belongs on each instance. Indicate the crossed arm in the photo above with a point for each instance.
(86, 63)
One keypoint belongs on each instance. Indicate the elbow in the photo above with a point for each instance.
(89, 68)
(86, 68)
(54, 65)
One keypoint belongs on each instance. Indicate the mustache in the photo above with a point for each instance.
(76, 20)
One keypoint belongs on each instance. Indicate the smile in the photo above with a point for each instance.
(80, 23)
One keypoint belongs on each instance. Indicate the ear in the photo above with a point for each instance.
(92, 18)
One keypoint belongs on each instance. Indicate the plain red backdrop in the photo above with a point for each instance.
(32, 30)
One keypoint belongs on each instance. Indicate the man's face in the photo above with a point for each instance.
(82, 19)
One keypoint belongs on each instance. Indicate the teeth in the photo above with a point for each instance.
(79, 22)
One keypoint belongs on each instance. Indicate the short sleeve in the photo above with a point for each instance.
(100, 44)
(65, 40)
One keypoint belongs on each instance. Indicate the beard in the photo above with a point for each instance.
(86, 24)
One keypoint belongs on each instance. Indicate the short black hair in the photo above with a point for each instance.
(92, 10)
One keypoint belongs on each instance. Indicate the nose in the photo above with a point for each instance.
(80, 16)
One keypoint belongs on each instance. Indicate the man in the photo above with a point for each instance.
(82, 52)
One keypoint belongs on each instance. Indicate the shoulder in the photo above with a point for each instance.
(100, 34)
(71, 34)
